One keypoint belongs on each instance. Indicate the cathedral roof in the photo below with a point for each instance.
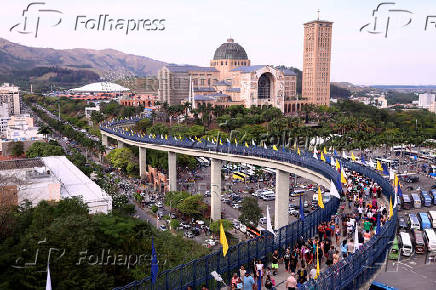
(230, 50)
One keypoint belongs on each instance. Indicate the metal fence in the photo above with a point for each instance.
(349, 273)
(358, 268)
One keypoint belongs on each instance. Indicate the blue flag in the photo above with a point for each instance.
(154, 265)
(399, 191)
(385, 169)
(362, 158)
(301, 210)
(335, 153)
(415, 157)
(259, 281)
(339, 184)
(377, 230)
(327, 159)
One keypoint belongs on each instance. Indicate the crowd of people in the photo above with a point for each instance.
(354, 224)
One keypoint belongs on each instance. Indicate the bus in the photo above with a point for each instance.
(425, 221)
(389, 163)
(406, 202)
(426, 199)
(405, 244)
(239, 176)
(432, 215)
(416, 200)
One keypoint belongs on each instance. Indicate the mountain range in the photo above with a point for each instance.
(19, 63)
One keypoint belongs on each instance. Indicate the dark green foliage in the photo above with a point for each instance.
(66, 225)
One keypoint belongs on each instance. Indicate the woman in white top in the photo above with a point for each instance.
(259, 267)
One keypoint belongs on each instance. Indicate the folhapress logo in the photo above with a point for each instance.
(34, 18)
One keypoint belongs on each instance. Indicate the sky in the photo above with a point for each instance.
(270, 31)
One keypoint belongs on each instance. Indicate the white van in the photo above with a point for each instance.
(432, 215)
(414, 222)
(430, 240)
(405, 244)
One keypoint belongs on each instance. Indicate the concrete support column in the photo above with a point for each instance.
(172, 170)
(142, 161)
(104, 140)
(282, 199)
(215, 189)
(120, 144)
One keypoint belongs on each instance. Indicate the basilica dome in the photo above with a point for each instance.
(230, 50)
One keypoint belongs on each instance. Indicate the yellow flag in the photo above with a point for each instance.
(223, 240)
(391, 210)
(320, 203)
(298, 151)
(379, 166)
(395, 180)
(275, 148)
(221, 142)
(322, 157)
(353, 157)
(246, 144)
(343, 177)
(317, 264)
(325, 151)
(166, 137)
(338, 166)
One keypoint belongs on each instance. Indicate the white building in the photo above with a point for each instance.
(20, 127)
(432, 107)
(52, 178)
(11, 95)
(89, 110)
(382, 103)
(425, 100)
(4, 117)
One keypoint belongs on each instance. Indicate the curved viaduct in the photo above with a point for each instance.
(283, 162)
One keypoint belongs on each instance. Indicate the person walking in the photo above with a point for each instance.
(249, 283)
(275, 262)
(291, 282)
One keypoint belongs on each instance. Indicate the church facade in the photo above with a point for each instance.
(230, 80)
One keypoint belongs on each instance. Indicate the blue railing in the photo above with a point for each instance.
(351, 272)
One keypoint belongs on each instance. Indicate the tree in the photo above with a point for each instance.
(215, 225)
(17, 148)
(143, 125)
(41, 149)
(192, 206)
(45, 131)
(250, 211)
(97, 117)
(120, 158)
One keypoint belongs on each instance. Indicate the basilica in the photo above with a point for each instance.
(230, 79)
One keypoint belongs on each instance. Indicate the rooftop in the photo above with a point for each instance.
(230, 50)
(248, 69)
(21, 164)
(188, 68)
(101, 87)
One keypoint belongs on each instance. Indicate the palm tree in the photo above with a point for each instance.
(45, 131)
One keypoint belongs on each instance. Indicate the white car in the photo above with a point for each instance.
(210, 242)
(262, 220)
(159, 205)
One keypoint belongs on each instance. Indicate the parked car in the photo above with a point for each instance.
(163, 227)
(189, 234)
(210, 242)
(418, 241)
(402, 223)
(159, 204)
(185, 225)
(262, 220)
